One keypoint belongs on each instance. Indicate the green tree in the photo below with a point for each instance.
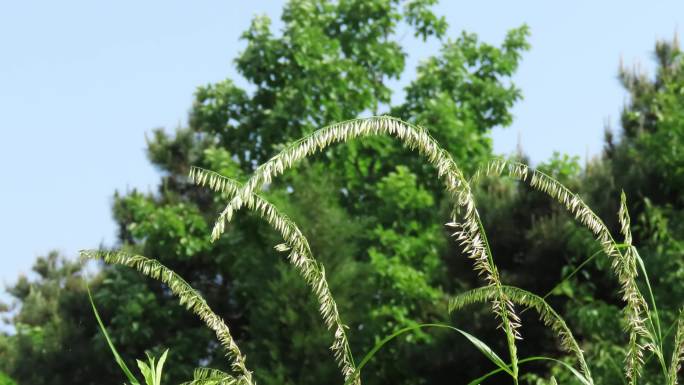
(53, 341)
(372, 223)
(646, 160)
(4, 380)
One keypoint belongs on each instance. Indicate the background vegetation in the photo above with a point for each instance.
(377, 226)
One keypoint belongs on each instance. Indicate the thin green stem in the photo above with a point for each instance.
(652, 297)
(569, 276)
(661, 360)
(510, 336)
(658, 349)
(667, 334)
(573, 273)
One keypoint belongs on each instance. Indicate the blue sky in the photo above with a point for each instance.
(82, 82)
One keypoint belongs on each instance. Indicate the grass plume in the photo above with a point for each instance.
(299, 254)
(469, 231)
(189, 297)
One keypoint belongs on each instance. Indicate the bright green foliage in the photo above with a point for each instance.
(561, 167)
(470, 73)
(406, 255)
(5, 380)
(152, 370)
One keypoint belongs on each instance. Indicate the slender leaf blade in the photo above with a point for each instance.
(481, 346)
(117, 357)
(160, 367)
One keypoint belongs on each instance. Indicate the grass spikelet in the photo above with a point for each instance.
(624, 264)
(188, 296)
(299, 255)
(530, 300)
(636, 305)
(678, 350)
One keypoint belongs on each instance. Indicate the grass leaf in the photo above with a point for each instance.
(481, 346)
(160, 367)
(574, 371)
(117, 357)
